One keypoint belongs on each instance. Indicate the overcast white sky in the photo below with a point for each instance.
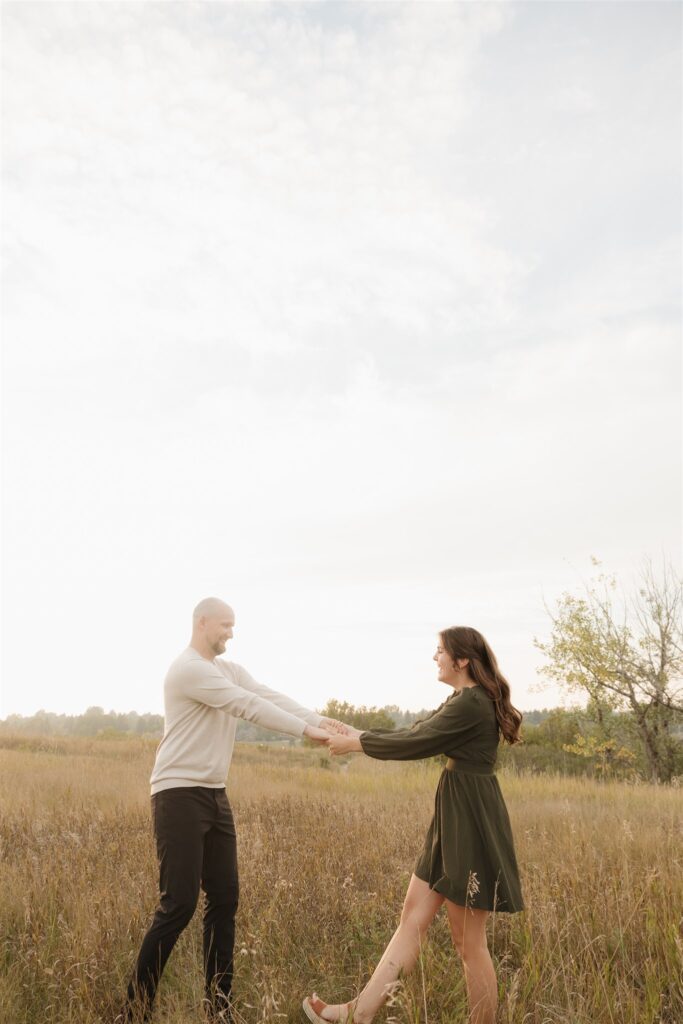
(365, 317)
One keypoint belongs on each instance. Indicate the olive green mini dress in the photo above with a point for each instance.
(468, 854)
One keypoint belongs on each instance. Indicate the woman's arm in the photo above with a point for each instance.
(441, 732)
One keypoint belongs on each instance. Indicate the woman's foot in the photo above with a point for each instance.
(320, 1012)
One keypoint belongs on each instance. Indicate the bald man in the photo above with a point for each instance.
(204, 696)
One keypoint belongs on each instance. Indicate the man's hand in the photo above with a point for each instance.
(317, 735)
(332, 725)
(344, 744)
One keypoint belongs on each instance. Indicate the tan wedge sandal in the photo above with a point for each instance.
(313, 1008)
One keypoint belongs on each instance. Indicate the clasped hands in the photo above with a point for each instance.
(338, 737)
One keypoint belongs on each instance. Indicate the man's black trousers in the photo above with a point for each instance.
(197, 848)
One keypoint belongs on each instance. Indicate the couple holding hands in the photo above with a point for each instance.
(467, 862)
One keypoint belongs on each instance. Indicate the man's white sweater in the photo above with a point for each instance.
(202, 701)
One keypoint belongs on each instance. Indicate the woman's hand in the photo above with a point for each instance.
(344, 744)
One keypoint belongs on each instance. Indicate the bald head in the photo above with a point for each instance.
(212, 625)
(211, 608)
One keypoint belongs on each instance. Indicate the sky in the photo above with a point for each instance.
(363, 317)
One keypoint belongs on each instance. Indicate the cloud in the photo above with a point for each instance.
(371, 310)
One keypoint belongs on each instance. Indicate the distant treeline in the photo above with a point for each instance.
(98, 722)
(555, 739)
(94, 722)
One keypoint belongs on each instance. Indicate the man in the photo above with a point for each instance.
(193, 824)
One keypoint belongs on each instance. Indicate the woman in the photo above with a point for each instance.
(468, 860)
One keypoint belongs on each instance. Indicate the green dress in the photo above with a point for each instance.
(468, 854)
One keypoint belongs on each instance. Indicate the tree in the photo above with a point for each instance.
(610, 760)
(360, 718)
(626, 654)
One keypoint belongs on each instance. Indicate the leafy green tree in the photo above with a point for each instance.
(625, 654)
(558, 728)
(608, 758)
(359, 717)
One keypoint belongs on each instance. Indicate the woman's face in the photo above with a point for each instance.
(447, 671)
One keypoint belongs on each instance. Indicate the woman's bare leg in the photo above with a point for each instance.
(419, 910)
(468, 929)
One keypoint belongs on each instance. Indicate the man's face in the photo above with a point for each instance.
(218, 630)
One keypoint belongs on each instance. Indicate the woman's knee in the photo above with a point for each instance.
(468, 931)
(420, 902)
(469, 946)
(415, 925)
(458, 940)
(417, 916)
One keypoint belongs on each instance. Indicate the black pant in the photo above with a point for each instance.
(196, 846)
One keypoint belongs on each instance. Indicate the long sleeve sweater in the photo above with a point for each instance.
(202, 701)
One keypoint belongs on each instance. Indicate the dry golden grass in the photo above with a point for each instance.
(325, 857)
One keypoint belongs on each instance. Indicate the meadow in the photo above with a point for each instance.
(326, 850)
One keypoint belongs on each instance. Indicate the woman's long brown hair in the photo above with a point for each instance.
(465, 642)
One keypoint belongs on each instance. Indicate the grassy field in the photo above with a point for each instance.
(326, 851)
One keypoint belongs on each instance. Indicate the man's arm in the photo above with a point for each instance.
(280, 700)
(204, 682)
